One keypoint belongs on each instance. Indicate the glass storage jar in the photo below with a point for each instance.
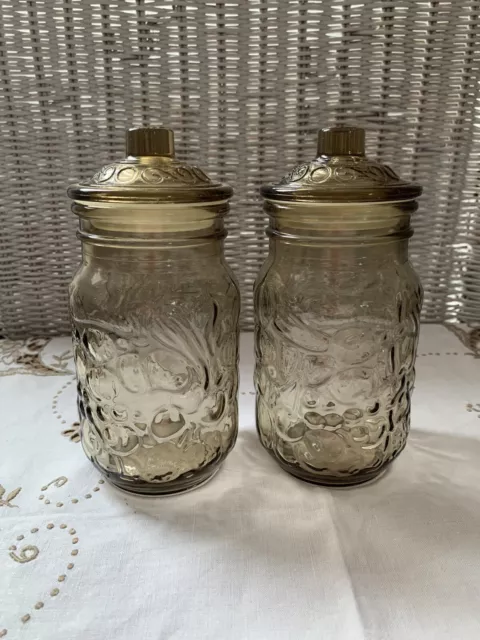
(155, 320)
(337, 307)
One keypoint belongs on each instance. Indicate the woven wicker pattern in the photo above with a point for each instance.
(245, 84)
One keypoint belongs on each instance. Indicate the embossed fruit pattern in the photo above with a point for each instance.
(157, 390)
(333, 396)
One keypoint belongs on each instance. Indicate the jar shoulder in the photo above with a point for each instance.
(330, 292)
(100, 290)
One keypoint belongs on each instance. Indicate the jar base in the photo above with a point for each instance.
(181, 485)
(335, 481)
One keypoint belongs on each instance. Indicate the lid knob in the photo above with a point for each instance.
(341, 141)
(150, 141)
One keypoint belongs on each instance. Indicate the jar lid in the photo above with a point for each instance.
(341, 173)
(150, 174)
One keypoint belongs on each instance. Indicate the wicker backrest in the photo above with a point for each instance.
(245, 84)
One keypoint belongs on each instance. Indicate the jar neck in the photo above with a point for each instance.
(341, 225)
(147, 226)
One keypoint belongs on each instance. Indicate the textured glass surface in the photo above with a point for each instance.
(336, 335)
(156, 351)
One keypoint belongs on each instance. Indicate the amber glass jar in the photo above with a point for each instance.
(337, 315)
(155, 320)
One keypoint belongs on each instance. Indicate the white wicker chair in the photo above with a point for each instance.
(245, 84)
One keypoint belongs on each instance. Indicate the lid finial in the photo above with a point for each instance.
(341, 141)
(150, 141)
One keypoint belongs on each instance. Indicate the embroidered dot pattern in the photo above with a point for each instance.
(63, 481)
(446, 353)
(56, 398)
(474, 408)
(61, 578)
(72, 433)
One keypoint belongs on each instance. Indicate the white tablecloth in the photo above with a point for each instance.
(254, 554)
